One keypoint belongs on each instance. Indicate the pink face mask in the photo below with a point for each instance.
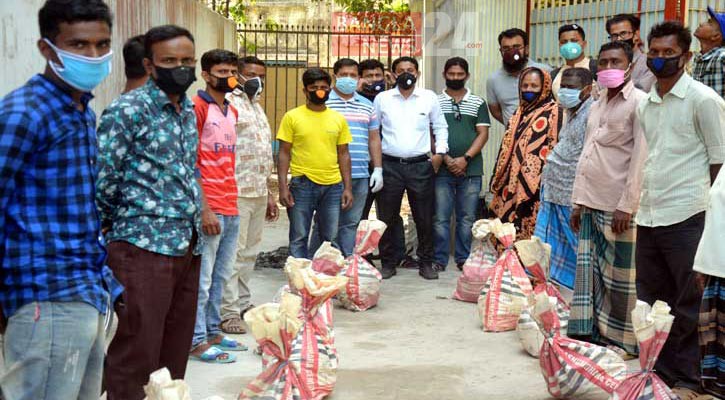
(611, 78)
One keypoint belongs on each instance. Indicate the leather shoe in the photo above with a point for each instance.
(428, 272)
(388, 272)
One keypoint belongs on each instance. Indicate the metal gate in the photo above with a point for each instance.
(289, 50)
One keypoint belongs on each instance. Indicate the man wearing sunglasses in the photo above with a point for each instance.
(458, 182)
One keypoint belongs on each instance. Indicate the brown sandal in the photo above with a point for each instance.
(685, 393)
(233, 326)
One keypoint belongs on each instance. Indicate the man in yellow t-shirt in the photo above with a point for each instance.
(313, 148)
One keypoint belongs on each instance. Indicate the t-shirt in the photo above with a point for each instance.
(215, 161)
(314, 136)
(360, 117)
(461, 134)
(502, 88)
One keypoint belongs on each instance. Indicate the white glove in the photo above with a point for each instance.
(376, 179)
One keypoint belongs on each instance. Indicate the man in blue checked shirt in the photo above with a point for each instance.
(53, 283)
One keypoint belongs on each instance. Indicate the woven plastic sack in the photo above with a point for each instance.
(328, 260)
(529, 334)
(651, 327)
(362, 291)
(573, 369)
(162, 387)
(478, 265)
(505, 294)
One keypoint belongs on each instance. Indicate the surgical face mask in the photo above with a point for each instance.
(80, 72)
(346, 85)
(570, 51)
(174, 80)
(663, 67)
(530, 96)
(319, 97)
(455, 84)
(569, 98)
(226, 84)
(253, 86)
(611, 78)
(406, 80)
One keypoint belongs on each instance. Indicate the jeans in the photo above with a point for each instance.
(462, 194)
(311, 198)
(217, 265)
(349, 220)
(53, 350)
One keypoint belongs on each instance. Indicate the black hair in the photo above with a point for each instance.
(133, 53)
(216, 57)
(512, 33)
(668, 28)
(313, 75)
(573, 28)
(405, 59)
(161, 34)
(631, 18)
(250, 60)
(624, 46)
(55, 12)
(459, 61)
(582, 74)
(536, 71)
(368, 64)
(344, 62)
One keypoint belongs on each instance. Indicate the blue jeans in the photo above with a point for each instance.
(349, 220)
(53, 350)
(463, 192)
(217, 264)
(311, 198)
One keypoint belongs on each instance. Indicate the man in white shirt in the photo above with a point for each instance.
(407, 114)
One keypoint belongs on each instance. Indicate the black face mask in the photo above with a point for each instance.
(514, 60)
(630, 42)
(175, 80)
(224, 85)
(663, 67)
(370, 90)
(455, 84)
(315, 96)
(253, 86)
(406, 80)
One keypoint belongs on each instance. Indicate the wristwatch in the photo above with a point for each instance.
(467, 158)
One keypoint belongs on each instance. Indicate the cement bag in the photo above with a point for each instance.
(478, 265)
(327, 259)
(363, 286)
(573, 369)
(162, 387)
(651, 327)
(505, 294)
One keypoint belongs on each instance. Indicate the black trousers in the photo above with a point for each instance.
(417, 180)
(664, 257)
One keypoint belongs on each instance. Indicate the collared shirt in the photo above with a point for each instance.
(642, 77)
(608, 176)
(406, 123)
(558, 175)
(502, 88)
(361, 119)
(147, 188)
(685, 133)
(463, 120)
(51, 248)
(584, 63)
(709, 68)
(254, 160)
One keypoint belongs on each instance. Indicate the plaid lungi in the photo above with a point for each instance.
(552, 227)
(712, 336)
(604, 289)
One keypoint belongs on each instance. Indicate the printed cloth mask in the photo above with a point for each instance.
(319, 97)
(663, 67)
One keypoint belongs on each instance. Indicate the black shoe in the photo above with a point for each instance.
(409, 263)
(427, 272)
(460, 265)
(388, 272)
(439, 268)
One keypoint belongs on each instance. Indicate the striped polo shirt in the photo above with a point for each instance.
(462, 119)
(360, 117)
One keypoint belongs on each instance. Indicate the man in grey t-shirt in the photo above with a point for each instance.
(502, 87)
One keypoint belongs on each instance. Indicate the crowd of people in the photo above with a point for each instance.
(157, 212)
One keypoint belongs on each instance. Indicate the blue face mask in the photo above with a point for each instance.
(569, 98)
(529, 96)
(570, 51)
(80, 72)
(346, 85)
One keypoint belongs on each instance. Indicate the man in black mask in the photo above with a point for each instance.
(150, 207)
(502, 86)
(625, 28)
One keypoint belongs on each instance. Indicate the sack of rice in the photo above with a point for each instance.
(478, 265)
(327, 259)
(363, 286)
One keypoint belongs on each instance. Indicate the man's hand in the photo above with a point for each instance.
(620, 222)
(272, 210)
(700, 281)
(376, 179)
(347, 199)
(285, 197)
(210, 223)
(436, 161)
(576, 219)
(457, 166)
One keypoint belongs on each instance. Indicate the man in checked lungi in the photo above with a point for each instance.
(605, 197)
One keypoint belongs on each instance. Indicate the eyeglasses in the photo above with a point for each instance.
(506, 49)
(620, 36)
(456, 111)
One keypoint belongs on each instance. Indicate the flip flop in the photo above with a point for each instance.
(228, 344)
(211, 356)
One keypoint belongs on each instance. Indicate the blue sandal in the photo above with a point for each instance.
(212, 354)
(228, 344)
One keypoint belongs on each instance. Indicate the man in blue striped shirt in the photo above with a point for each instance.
(365, 129)
(53, 283)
